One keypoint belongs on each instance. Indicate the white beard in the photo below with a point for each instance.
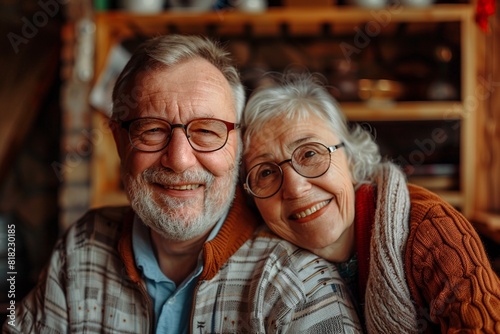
(181, 219)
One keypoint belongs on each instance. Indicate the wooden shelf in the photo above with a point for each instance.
(403, 111)
(488, 223)
(115, 26)
(291, 15)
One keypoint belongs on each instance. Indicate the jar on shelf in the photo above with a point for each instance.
(143, 6)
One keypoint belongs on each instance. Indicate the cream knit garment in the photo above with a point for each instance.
(389, 307)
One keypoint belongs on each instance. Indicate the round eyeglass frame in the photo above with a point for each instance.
(330, 149)
(229, 127)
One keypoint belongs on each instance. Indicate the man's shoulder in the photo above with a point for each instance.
(277, 267)
(266, 240)
(271, 283)
(284, 256)
(100, 225)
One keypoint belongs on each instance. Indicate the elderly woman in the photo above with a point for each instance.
(414, 263)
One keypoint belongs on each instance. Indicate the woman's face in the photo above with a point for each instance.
(313, 213)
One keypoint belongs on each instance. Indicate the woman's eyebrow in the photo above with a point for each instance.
(261, 157)
(291, 146)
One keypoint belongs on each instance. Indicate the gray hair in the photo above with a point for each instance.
(169, 50)
(297, 96)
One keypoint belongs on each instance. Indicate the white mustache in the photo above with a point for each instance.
(162, 176)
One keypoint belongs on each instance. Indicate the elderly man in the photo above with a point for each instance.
(187, 255)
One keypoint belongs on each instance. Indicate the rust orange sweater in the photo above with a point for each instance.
(447, 270)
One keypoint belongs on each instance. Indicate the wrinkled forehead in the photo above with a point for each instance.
(287, 131)
(267, 123)
(195, 83)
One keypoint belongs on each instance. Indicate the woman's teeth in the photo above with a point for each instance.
(183, 187)
(311, 210)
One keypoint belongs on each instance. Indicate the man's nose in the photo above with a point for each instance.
(178, 155)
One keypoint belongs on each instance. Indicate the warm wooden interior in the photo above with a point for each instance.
(115, 26)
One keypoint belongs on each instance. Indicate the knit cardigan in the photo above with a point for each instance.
(448, 273)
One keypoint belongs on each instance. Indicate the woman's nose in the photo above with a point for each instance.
(178, 155)
(294, 184)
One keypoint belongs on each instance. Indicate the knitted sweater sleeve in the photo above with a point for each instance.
(448, 271)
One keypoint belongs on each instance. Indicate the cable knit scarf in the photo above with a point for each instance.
(389, 307)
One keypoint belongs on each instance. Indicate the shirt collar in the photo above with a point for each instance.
(145, 257)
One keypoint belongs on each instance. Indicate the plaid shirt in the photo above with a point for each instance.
(252, 282)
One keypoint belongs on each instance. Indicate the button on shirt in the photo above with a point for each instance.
(172, 304)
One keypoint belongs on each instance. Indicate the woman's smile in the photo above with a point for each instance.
(309, 213)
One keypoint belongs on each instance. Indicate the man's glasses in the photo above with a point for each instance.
(152, 134)
(309, 160)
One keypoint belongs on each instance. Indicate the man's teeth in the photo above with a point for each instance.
(183, 187)
(311, 210)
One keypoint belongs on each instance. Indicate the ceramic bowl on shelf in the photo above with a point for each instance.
(417, 3)
(252, 6)
(369, 3)
(143, 6)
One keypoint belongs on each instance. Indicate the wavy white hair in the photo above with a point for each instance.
(167, 51)
(298, 95)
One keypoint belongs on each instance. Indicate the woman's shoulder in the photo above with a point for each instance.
(442, 247)
(421, 194)
(426, 204)
(434, 222)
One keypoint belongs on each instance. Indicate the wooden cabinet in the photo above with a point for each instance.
(360, 27)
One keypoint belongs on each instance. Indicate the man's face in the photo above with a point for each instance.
(178, 192)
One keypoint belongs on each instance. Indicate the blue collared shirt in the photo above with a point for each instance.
(172, 304)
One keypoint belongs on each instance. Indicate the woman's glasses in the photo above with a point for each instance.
(309, 160)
